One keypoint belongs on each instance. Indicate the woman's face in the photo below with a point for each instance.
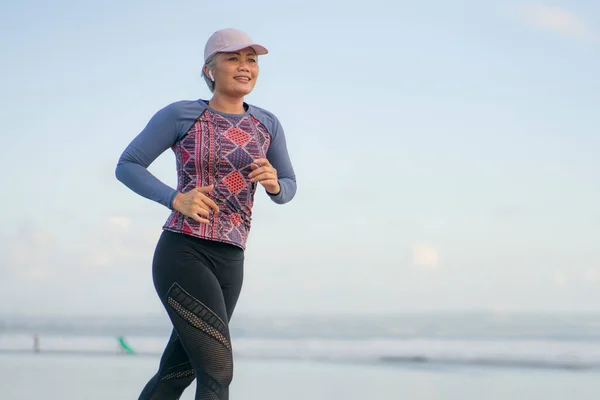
(235, 73)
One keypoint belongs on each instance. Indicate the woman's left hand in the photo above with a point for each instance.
(263, 172)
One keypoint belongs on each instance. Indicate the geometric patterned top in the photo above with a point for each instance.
(210, 147)
(219, 150)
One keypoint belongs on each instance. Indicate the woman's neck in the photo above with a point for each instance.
(227, 105)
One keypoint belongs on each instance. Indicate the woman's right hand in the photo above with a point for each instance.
(195, 204)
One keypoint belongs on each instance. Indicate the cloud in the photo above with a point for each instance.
(121, 222)
(591, 275)
(560, 279)
(32, 253)
(28, 254)
(425, 256)
(119, 243)
(555, 19)
(78, 267)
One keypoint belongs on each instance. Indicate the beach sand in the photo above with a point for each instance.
(28, 376)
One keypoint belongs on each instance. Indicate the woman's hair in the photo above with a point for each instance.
(210, 63)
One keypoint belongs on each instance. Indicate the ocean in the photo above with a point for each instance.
(421, 356)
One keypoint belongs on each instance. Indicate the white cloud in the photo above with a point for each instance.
(30, 254)
(591, 275)
(425, 256)
(106, 267)
(555, 19)
(34, 254)
(35, 273)
(560, 279)
(121, 222)
(114, 245)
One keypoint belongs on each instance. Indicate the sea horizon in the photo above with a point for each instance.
(524, 340)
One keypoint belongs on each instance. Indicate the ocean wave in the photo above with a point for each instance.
(513, 353)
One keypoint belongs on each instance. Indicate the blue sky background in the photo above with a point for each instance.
(446, 153)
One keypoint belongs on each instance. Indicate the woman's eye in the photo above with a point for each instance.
(233, 59)
(252, 60)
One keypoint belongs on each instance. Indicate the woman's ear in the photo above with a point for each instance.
(208, 73)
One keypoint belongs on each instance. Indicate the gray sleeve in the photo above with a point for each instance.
(278, 157)
(160, 134)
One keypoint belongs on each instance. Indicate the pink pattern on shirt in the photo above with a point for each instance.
(219, 150)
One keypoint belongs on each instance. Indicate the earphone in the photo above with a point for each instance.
(211, 75)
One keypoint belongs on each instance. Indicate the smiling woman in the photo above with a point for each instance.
(231, 75)
(224, 69)
(224, 148)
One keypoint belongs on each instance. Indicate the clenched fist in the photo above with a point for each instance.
(263, 172)
(196, 204)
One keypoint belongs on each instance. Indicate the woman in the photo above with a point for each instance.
(224, 149)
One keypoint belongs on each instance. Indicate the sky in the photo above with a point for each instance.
(445, 152)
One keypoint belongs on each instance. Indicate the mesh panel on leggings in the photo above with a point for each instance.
(171, 384)
(205, 337)
(206, 394)
(179, 374)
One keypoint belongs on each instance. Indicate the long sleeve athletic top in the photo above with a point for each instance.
(210, 147)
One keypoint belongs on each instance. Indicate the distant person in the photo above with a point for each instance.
(224, 148)
(36, 343)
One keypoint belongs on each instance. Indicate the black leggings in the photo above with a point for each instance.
(198, 282)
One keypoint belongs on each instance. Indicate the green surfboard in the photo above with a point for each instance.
(124, 345)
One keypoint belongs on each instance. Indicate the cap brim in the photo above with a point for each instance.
(260, 50)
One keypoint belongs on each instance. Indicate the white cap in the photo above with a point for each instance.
(226, 40)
